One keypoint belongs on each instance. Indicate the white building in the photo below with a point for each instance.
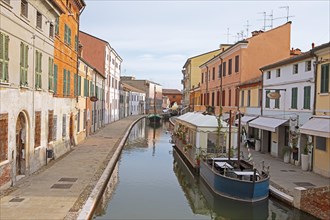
(115, 70)
(290, 83)
(26, 86)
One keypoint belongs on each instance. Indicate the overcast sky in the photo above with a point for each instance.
(155, 38)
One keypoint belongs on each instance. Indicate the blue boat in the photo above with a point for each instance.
(235, 179)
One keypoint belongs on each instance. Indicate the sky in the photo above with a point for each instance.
(155, 38)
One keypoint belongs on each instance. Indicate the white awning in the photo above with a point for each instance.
(269, 124)
(317, 127)
(245, 119)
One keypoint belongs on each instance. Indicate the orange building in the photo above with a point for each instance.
(173, 95)
(221, 75)
(66, 46)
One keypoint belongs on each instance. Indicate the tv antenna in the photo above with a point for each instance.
(265, 18)
(228, 34)
(287, 13)
(247, 28)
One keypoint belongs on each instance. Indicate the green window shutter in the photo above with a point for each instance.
(2, 46)
(64, 82)
(56, 25)
(294, 98)
(307, 97)
(267, 104)
(55, 79)
(85, 87)
(76, 43)
(324, 78)
(65, 33)
(50, 73)
(26, 65)
(21, 63)
(79, 85)
(91, 88)
(6, 48)
(75, 84)
(69, 36)
(68, 83)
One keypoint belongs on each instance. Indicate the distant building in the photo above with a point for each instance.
(152, 90)
(174, 95)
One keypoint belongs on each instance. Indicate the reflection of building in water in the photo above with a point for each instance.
(189, 185)
(153, 134)
(137, 135)
(108, 192)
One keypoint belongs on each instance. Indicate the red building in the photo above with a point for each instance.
(174, 95)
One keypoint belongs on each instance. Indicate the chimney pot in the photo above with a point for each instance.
(313, 45)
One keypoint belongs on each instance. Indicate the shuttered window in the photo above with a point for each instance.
(294, 98)
(230, 66)
(55, 78)
(68, 83)
(224, 69)
(86, 89)
(38, 70)
(24, 51)
(57, 29)
(91, 89)
(76, 43)
(242, 99)
(307, 97)
(64, 125)
(75, 84)
(24, 8)
(50, 74)
(37, 131)
(277, 101)
(236, 63)
(67, 34)
(4, 57)
(64, 82)
(39, 20)
(50, 125)
(79, 86)
(267, 104)
(324, 78)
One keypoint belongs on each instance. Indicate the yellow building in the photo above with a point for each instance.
(192, 75)
(319, 125)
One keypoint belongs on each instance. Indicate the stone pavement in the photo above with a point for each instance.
(59, 190)
(285, 176)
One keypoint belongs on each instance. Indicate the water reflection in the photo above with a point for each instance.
(151, 181)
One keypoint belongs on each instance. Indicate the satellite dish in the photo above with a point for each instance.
(274, 95)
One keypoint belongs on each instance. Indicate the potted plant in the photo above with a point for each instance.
(286, 150)
(198, 160)
(305, 158)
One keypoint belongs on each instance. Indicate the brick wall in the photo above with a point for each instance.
(316, 201)
(5, 174)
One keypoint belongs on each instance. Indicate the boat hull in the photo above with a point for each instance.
(247, 191)
(154, 118)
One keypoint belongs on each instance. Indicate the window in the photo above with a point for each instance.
(268, 75)
(242, 98)
(4, 57)
(51, 30)
(277, 101)
(39, 20)
(324, 78)
(64, 125)
(78, 121)
(76, 42)
(202, 77)
(236, 64)
(213, 73)
(260, 98)
(91, 89)
(295, 69)
(278, 73)
(220, 71)
(75, 82)
(85, 118)
(223, 98)
(24, 51)
(307, 97)
(50, 74)
(249, 98)
(38, 70)
(224, 69)
(218, 98)
(321, 143)
(201, 99)
(37, 131)
(86, 89)
(212, 98)
(308, 65)
(3, 137)
(229, 98)
(67, 34)
(57, 30)
(55, 79)
(66, 82)
(50, 125)
(267, 104)
(294, 98)
(208, 76)
(24, 8)
(79, 86)
(230, 66)
(286, 136)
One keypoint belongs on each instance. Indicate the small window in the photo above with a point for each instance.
(230, 66)
(57, 30)
(39, 20)
(24, 8)
(213, 73)
(295, 69)
(51, 30)
(278, 73)
(236, 63)
(321, 143)
(224, 68)
(308, 65)
(324, 87)
(268, 75)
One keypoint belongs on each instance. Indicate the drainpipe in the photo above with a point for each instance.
(315, 92)
(261, 109)
(220, 101)
(207, 85)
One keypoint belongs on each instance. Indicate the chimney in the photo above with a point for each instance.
(80, 50)
(295, 52)
(255, 33)
(313, 45)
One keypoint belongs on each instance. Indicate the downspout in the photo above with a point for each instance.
(314, 101)
(220, 100)
(262, 92)
(207, 85)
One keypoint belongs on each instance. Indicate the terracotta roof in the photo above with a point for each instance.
(171, 91)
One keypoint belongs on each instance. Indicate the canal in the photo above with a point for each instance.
(150, 181)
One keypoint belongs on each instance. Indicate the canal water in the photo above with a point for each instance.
(151, 181)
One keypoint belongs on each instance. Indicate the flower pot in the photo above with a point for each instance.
(304, 162)
(286, 158)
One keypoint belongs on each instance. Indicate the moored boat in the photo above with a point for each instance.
(235, 179)
(154, 118)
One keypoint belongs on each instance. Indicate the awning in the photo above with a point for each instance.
(246, 119)
(317, 127)
(269, 124)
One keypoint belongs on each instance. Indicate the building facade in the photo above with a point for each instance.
(27, 109)
(174, 95)
(106, 60)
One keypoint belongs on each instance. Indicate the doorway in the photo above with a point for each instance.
(21, 144)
